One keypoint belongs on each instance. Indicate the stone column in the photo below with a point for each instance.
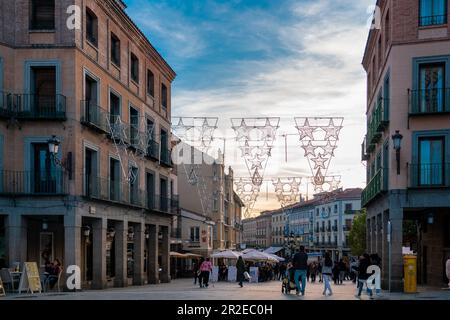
(139, 244)
(121, 279)
(16, 237)
(152, 259)
(396, 215)
(99, 227)
(385, 251)
(72, 240)
(165, 259)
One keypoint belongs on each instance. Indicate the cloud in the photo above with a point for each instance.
(294, 58)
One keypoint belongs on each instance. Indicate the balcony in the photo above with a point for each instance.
(153, 150)
(378, 122)
(432, 20)
(429, 101)
(33, 183)
(94, 116)
(375, 187)
(166, 157)
(33, 107)
(429, 175)
(364, 150)
(128, 194)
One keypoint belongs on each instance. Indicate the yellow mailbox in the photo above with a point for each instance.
(410, 273)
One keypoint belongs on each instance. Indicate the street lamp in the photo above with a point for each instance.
(397, 139)
(53, 147)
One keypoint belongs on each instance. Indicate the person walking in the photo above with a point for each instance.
(327, 271)
(199, 273)
(240, 266)
(342, 270)
(195, 269)
(205, 269)
(300, 265)
(364, 264)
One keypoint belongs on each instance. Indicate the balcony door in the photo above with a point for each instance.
(431, 161)
(91, 173)
(42, 99)
(432, 87)
(150, 187)
(163, 191)
(114, 179)
(90, 111)
(43, 177)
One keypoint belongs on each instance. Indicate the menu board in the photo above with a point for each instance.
(30, 280)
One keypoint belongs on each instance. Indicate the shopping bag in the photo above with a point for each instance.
(247, 276)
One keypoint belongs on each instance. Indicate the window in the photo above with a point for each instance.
(335, 208)
(42, 15)
(115, 49)
(91, 173)
(164, 96)
(114, 179)
(134, 185)
(134, 127)
(195, 234)
(433, 12)
(134, 68)
(432, 87)
(150, 188)
(91, 27)
(431, 161)
(150, 83)
(44, 175)
(348, 207)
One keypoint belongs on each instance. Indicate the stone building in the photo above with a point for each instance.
(407, 60)
(104, 202)
(212, 197)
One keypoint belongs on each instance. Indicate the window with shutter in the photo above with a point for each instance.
(42, 15)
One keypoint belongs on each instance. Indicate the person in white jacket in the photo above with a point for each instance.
(447, 268)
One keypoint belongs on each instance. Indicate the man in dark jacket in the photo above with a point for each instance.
(300, 263)
(364, 263)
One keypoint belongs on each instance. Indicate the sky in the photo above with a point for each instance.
(267, 58)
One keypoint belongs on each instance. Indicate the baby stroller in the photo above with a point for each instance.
(288, 283)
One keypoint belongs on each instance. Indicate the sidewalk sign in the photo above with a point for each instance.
(215, 274)
(30, 281)
(232, 274)
(254, 274)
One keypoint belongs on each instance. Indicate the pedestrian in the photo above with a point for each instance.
(300, 265)
(313, 272)
(199, 273)
(319, 270)
(327, 270)
(336, 273)
(364, 264)
(195, 269)
(447, 269)
(342, 270)
(282, 270)
(205, 269)
(240, 266)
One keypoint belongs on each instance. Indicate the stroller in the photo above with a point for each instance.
(288, 283)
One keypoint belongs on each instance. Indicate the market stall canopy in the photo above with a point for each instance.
(273, 250)
(259, 256)
(184, 255)
(280, 259)
(228, 254)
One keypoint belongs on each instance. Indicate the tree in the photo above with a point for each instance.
(357, 236)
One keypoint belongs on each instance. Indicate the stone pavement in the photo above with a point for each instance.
(183, 289)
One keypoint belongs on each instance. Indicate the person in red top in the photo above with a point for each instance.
(205, 269)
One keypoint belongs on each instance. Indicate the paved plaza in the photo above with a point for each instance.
(183, 289)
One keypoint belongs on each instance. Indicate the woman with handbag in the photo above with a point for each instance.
(240, 266)
(205, 269)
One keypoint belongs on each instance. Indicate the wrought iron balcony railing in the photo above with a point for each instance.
(429, 175)
(378, 122)
(129, 194)
(429, 101)
(166, 157)
(433, 20)
(375, 187)
(23, 183)
(33, 106)
(94, 116)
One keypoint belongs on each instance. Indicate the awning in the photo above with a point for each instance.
(273, 250)
(184, 255)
